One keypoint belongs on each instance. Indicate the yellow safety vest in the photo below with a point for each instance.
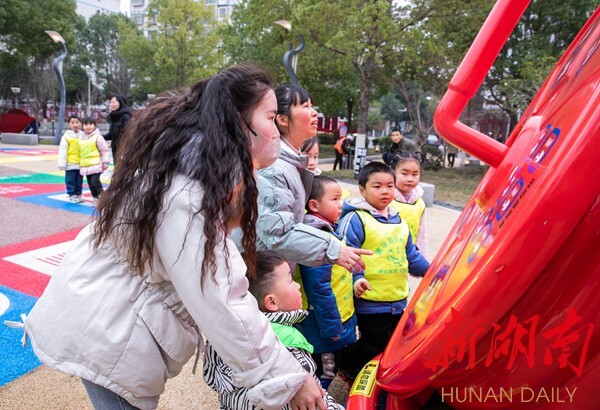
(90, 155)
(342, 287)
(73, 149)
(387, 269)
(411, 214)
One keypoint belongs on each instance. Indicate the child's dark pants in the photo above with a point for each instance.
(95, 185)
(375, 332)
(73, 181)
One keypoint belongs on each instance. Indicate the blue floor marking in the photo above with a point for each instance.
(15, 360)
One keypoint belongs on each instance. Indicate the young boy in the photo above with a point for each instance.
(382, 288)
(328, 294)
(94, 156)
(278, 296)
(68, 159)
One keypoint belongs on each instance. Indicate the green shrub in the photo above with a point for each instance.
(433, 157)
(326, 138)
(385, 143)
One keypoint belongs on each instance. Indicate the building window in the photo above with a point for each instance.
(222, 12)
(137, 2)
(137, 18)
(211, 2)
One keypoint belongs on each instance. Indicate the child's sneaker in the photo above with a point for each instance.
(73, 199)
(79, 199)
(95, 201)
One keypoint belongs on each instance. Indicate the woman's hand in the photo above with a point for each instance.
(349, 258)
(309, 397)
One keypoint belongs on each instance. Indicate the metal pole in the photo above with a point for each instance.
(89, 104)
(290, 59)
(15, 91)
(57, 65)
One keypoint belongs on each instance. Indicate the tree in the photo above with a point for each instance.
(356, 31)
(253, 36)
(186, 43)
(540, 38)
(138, 53)
(331, 81)
(26, 50)
(98, 45)
(421, 64)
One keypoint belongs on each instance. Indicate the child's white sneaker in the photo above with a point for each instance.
(95, 201)
(73, 199)
(80, 199)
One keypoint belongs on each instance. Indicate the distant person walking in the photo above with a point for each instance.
(341, 145)
(452, 151)
(119, 116)
(340, 149)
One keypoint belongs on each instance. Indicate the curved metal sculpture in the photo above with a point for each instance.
(57, 66)
(290, 59)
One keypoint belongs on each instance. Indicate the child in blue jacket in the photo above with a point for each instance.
(327, 289)
(381, 290)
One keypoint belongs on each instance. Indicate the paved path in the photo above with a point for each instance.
(35, 222)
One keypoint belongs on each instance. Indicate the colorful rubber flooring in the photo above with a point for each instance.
(38, 223)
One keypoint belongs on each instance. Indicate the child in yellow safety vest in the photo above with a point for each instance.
(408, 198)
(94, 156)
(381, 290)
(327, 291)
(68, 159)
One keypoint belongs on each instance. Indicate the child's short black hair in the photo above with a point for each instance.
(88, 120)
(266, 262)
(74, 117)
(372, 168)
(317, 189)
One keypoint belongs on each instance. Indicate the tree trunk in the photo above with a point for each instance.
(350, 105)
(365, 94)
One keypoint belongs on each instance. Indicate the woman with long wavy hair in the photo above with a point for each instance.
(157, 268)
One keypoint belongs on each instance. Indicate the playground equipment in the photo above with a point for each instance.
(507, 315)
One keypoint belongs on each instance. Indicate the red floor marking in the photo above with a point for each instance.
(17, 190)
(29, 152)
(53, 260)
(26, 280)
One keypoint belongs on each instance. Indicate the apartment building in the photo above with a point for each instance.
(147, 24)
(88, 8)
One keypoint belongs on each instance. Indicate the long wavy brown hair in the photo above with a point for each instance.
(196, 132)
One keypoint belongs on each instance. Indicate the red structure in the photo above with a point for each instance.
(329, 124)
(507, 316)
(16, 121)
